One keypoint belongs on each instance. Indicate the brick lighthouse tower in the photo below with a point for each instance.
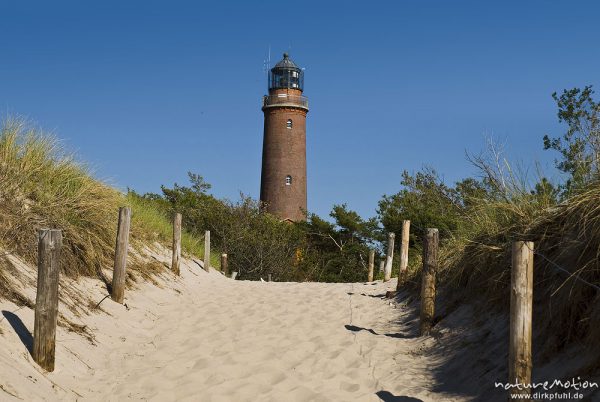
(283, 180)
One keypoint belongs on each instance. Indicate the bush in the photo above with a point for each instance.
(259, 244)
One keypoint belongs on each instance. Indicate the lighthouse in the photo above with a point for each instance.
(283, 178)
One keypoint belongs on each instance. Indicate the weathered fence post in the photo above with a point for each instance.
(269, 278)
(46, 299)
(403, 253)
(381, 264)
(371, 265)
(521, 306)
(389, 258)
(430, 266)
(233, 275)
(119, 273)
(207, 250)
(224, 267)
(176, 244)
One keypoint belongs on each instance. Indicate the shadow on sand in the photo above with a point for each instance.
(389, 397)
(467, 357)
(354, 328)
(20, 329)
(379, 296)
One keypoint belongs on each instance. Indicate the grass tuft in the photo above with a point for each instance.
(42, 186)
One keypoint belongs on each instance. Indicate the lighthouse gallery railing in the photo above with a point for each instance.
(285, 100)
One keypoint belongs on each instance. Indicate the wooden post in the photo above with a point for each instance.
(46, 300)
(371, 265)
(521, 306)
(233, 275)
(176, 244)
(430, 266)
(389, 258)
(119, 273)
(207, 250)
(381, 264)
(403, 253)
(224, 267)
(269, 278)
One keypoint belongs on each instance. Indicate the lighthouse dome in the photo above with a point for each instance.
(286, 75)
(286, 63)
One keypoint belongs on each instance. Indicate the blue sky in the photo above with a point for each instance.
(146, 91)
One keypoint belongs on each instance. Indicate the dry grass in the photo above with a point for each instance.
(44, 187)
(476, 263)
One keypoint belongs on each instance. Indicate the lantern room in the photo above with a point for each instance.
(286, 75)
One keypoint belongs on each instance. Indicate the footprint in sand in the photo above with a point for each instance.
(348, 387)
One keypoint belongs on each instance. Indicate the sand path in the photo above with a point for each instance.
(203, 337)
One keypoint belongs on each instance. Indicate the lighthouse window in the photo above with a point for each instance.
(289, 123)
(288, 180)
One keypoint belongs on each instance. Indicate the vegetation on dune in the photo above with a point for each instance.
(152, 224)
(480, 218)
(339, 251)
(42, 186)
(258, 244)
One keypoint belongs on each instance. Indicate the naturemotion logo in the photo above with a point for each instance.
(549, 390)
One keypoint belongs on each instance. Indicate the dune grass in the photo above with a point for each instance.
(152, 224)
(565, 235)
(42, 186)
(475, 261)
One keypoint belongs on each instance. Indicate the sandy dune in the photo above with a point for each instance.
(203, 337)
